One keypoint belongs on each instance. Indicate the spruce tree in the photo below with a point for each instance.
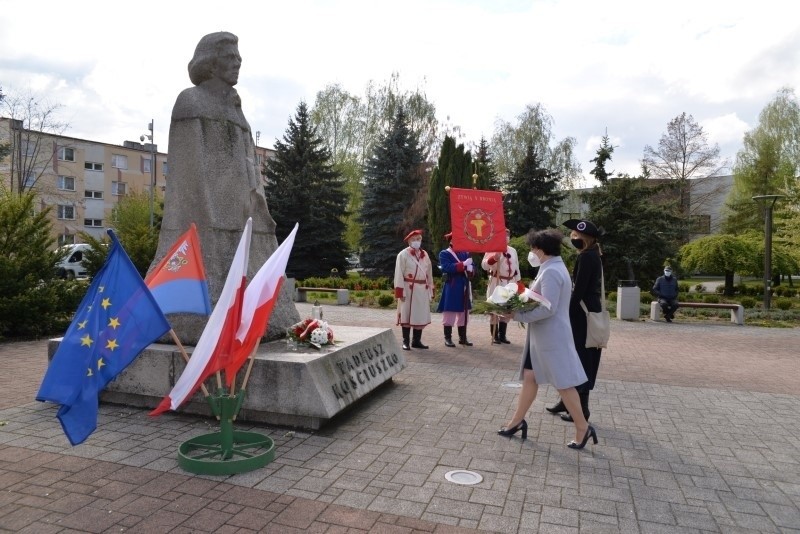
(533, 199)
(392, 179)
(303, 187)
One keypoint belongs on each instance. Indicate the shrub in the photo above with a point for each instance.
(748, 302)
(783, 303)
(646, 298)
(384, 301)
(700, 288)
(612, 296)
(720, 289)
(711, 299)
(683, 287)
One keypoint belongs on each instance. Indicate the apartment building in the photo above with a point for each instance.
(82, 180)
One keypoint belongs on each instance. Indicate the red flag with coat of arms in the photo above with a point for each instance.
(477, 220)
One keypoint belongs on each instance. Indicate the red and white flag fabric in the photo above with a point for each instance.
(259, 300)
(477, 220)
(216, 343)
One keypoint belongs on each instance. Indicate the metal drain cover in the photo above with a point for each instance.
(463, 477)
(512, 384)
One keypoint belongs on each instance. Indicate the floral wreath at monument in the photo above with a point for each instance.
(311, 332)
(515, 297)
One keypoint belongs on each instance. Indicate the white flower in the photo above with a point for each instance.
(501, 294)
(319, 336)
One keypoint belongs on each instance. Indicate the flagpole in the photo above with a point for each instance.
(247, 373)
(186, 358)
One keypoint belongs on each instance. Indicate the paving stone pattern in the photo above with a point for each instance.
(698, 425)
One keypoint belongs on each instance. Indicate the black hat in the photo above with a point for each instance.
(584, 227)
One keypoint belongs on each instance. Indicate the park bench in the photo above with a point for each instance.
(737, 310)
(342, 295)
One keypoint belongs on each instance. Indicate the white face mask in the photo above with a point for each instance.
(415, 244)
(667, 273)
(533, 259)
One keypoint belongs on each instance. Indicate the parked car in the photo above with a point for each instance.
(70, 266)
(353, 261)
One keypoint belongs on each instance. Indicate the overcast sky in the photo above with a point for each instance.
(625, 66)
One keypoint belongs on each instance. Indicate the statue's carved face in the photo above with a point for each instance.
(227, 64)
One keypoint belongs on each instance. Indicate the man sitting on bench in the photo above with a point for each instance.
(666, 290)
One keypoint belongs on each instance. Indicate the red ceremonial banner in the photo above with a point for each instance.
(477, 220)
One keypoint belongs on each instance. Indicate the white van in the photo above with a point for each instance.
(70, 265)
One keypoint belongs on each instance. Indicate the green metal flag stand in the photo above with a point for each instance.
(228, 451)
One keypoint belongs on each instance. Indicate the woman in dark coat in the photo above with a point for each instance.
(586, 287)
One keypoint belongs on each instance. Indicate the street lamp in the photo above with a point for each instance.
(769, 203)
(152, 167)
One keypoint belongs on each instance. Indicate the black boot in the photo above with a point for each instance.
(503, 330)
(495, 330)
(584, 395)
(462, 336)
(558, 408)
(448, 336)
(417, 340)
(406, 332)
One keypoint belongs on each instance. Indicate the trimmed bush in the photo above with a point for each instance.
(711, 299)
(783, 303)
(700, 288)
(683, 287)
(611, 296)
(384, 301)
(748, 302)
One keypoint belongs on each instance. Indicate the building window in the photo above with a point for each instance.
(93, 194)
(165, 169)
(66, 183)
(146, 165)
(93, 223)
(118, 188)
(29, 149)
(30, 180)
(66, 154)
(66, 239)
(91, 166)
(702, 224)
(119, 162)
(66, 212)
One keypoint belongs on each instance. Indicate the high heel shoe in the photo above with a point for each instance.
(558, 408)
(508, 432)
(589, 433)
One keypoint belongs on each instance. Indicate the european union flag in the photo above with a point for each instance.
(116, 320)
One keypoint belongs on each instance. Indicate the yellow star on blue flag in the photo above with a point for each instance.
(115, 321)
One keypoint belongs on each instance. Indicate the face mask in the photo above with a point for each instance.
(533, 259)
(508, 238)
(415, 244)
(667, 273)
(577, 243)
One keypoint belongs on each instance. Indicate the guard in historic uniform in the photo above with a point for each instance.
(413, 288)
(503, 269)
(457, 270)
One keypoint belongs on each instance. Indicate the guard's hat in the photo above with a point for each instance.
(585, 227)
(413, 233)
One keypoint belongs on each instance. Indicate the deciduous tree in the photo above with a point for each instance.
(533, 127)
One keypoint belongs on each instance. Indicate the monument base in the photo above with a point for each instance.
(302, 387)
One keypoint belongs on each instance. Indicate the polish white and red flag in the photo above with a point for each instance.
(217, 342)
(259, 300)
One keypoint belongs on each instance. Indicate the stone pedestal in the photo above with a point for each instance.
(299, 388)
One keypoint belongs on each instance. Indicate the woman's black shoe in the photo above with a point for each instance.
(589, 433)
(558, 408)
(508, 432)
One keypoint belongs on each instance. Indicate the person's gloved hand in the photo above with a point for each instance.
(468, 262)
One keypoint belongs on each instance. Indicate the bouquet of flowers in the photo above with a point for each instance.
(515, 297)
(312, 332)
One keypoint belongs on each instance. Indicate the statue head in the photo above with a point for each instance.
(216, 55)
